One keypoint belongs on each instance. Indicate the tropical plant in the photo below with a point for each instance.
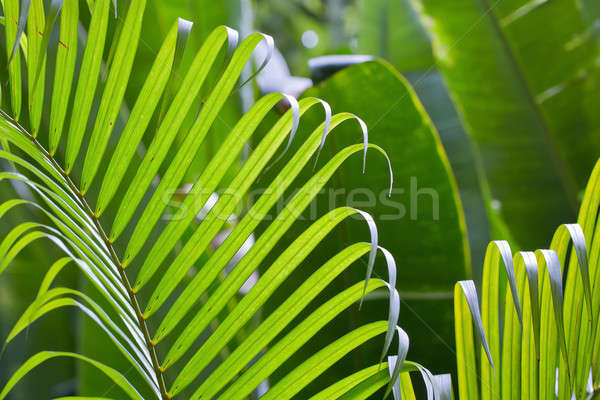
(526, 91)
(392, 30)
(132, 200)
(423, 219)
(538, 340)
(523, 90)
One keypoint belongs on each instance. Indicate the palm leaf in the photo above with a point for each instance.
(392, 30)
(524, 87)
(63, 194)
(552, 345)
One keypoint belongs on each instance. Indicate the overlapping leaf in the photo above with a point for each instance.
(78, 231)
(549, 333)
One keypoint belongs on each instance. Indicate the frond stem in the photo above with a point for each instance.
(134, 302)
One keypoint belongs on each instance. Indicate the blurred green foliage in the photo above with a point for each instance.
(470, 75)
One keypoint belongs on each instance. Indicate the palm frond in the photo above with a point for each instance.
(547, 344)
(63, 180)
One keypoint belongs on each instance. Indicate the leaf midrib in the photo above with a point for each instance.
(95, 218)
(563, 171)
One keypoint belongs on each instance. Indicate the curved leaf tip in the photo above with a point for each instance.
(394, 311)
(507, 258)
(578, 239)
(327, 109)
(365, 132)
(295, 118)
(552, 262)
(395, 364)
(270, 43)
(470, 293)
(373, 252)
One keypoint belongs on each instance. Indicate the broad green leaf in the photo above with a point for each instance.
(417, 153)
(391, 30)
(423, 217)
(482, 220)
(520, 112)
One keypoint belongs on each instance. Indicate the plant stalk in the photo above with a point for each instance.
(141, 320)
